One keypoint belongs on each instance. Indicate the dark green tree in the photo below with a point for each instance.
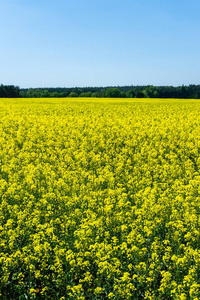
(139, 94)
(113, 93)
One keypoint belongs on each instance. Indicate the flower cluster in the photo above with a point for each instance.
(99, 199)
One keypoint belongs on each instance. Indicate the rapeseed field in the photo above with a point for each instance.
(99, 199)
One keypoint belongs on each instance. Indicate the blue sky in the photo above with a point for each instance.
(70, 43)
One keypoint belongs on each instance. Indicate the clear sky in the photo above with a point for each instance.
(68, 43)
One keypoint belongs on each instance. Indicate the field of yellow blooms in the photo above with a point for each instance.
(99, 199)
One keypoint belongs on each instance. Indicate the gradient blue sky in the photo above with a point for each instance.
(68, 43)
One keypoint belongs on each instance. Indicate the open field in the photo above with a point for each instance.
(99, 199)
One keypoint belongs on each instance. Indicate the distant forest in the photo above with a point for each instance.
(148, 91)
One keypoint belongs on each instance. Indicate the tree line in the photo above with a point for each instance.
(9, 91)
(149, 91)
